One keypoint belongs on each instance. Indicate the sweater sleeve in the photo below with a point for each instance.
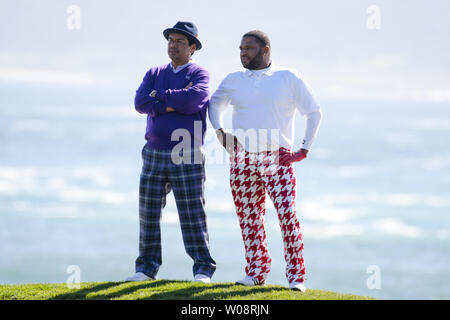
(143, 102)
(191, 100)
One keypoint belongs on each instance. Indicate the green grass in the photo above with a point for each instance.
(163, 290)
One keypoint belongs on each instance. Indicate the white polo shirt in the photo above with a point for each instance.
(264, 107)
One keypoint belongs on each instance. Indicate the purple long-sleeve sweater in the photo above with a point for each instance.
(190, 104)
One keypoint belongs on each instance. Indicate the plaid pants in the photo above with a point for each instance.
(251, 175)
(159, 176)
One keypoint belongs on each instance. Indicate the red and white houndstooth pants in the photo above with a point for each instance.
(251, 174)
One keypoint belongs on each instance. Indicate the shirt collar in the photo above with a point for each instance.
(179, 68)
(258, 73)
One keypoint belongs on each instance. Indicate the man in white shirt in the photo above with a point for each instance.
(265, 98)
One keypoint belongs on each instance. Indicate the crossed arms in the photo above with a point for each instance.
(189, 100)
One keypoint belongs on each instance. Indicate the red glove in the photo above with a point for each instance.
(287, 157)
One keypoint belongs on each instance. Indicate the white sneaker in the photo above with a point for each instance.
(202, 278)
(249, 281)
(139, 276)
(297, 286)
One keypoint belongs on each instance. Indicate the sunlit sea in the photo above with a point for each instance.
(373, 195)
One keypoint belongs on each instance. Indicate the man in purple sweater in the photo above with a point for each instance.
(175, 98)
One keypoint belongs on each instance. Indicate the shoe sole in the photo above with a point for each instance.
(202, 280)
(149, 279)
(295, 289)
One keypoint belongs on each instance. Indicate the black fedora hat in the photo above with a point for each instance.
(186, 28)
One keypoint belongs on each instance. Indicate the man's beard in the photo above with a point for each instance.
(255, 62)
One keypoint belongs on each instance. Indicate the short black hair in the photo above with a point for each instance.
(260, 36)
(191, 42)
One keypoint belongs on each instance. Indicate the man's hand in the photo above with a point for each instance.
(169, 109)
(287, 157)
(227, 140)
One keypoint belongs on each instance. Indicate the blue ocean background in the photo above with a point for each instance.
(374, 191)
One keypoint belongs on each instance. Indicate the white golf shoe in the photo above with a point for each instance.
(297, 286)
(202, 278)
(139, 276)
(249, 281)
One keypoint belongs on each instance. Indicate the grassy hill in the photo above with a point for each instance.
(163, 290)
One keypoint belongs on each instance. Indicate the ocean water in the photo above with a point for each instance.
(373, 195)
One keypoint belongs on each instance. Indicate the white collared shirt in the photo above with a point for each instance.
(264, 106)
(179, 68)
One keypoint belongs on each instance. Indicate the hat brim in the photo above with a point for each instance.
(189, 36)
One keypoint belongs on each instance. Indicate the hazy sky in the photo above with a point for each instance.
(395, 49)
